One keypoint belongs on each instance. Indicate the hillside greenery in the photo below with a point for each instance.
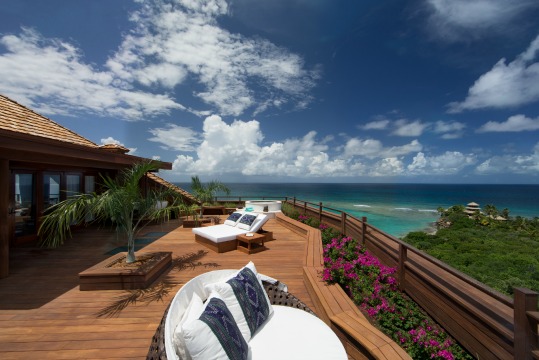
(501, 253)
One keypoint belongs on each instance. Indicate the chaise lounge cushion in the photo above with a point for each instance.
(221, 233)
(215, 335)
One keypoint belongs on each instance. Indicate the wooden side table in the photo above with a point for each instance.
(250, 244)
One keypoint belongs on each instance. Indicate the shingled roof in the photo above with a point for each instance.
(177, 189)
(18, 118)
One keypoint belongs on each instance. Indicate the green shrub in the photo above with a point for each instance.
(500, 254)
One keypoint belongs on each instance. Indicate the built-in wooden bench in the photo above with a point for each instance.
(361, 339)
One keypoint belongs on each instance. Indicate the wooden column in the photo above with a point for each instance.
(320, 212)
(403, 256)
(5, 178)
(343, 223)
(525, 341)
(363, 229)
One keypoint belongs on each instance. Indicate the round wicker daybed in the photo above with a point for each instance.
(287, 305)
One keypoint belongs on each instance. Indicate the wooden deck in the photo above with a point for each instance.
(44, 315)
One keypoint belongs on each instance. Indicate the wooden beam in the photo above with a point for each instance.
(24, 147)
(4, 217)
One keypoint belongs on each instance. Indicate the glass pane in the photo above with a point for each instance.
(24, 204)
(72, 185)
(51, 189)
(89, 184)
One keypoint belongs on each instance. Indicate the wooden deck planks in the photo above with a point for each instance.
(44, 315)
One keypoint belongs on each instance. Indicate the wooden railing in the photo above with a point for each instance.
(490, 325)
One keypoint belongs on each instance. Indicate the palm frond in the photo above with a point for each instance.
(56, 225)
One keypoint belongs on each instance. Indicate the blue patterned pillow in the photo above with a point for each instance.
(227, 342)
(251, 297)
(233, 219)
(246, 221)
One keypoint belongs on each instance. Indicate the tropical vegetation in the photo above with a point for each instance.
(122, 203)
(490, 246)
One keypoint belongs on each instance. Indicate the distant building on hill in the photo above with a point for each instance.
(472, 208)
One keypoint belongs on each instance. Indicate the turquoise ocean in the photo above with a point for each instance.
(397, 208)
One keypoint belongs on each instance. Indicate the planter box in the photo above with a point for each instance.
(195, 223)
(104, 276)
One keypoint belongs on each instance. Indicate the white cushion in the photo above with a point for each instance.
(219, 233)
(224, 341)
(298, 335)
(193, 311)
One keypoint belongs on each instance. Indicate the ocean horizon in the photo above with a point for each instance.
(396, 209)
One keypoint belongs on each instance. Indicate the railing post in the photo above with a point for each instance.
(343, 223)
(305, 207)
(294, 198)
(320, 212)
(363, 229)
(403, 256)
(525, 327)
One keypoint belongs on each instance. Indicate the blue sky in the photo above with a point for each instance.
(437, 91)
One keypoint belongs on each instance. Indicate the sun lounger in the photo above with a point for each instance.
(222, 238)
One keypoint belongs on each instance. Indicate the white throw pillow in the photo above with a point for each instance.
(192, 312)
(246, 221)
(215, 334)
(245, 297)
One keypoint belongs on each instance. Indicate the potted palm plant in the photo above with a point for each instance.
(123, 203)
(205, 194)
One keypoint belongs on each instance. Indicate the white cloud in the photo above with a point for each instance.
(408, 128)
(175, 137)
(448, 163)
(505, 85)
(50, 76)
(111, 140)
(511, 164)
(369, 148)
(376, 125)
(387, 167)
(237, 148)
(449, 130)
(515, 123)
(374, 149)
(170, 43)
(235, 72)
(462, 20)
(507, 164)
